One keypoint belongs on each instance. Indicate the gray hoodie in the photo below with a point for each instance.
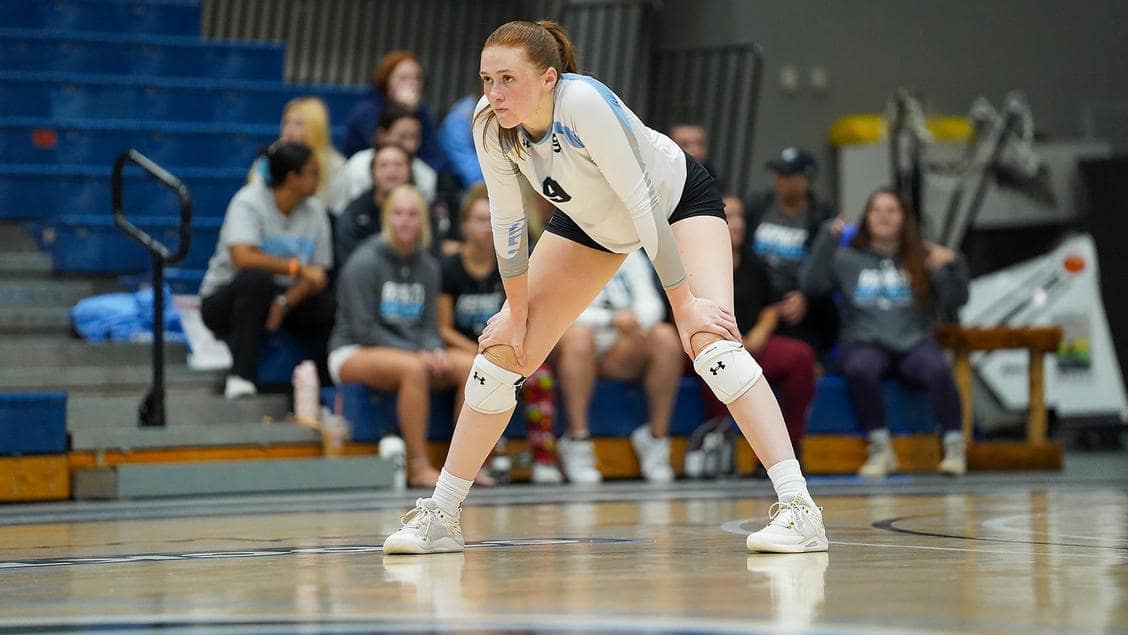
(384, 299)
(876, 303)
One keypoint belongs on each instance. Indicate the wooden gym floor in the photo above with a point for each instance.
(989, 553)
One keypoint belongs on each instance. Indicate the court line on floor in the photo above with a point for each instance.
(970, 550)
(531, 622)
(86, 511)
(889, 525)
(743, 527)
(325, 550)
(1001, 524)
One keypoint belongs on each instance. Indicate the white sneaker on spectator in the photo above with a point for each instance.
(880, 458)
(955, 455)
(795, 527)
(577, 457)
(653, 455)
(237, 387)
(547, 474)
(426, 529)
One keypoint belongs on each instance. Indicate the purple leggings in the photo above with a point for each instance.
(923, 366)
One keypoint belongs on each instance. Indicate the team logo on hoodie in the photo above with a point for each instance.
(884, 287)
(401, 301)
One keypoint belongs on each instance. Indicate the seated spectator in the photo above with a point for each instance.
(457, 141)
(788, 363)
(782, 224)
(269, 267)
(621, 336)
(305, 120)
(401, 127)
(387, 334)
(389, 168)
(397, 78)
(892, 285)
(471, 294)
(692, 137)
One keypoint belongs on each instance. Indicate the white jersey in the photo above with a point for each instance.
(599, 164)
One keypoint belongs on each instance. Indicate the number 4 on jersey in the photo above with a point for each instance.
(553, 192)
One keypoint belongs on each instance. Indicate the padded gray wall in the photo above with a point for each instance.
(1067, 57)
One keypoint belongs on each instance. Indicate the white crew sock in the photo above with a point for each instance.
(788, 481)
(879, 436)
(450, 491)
(953, 436)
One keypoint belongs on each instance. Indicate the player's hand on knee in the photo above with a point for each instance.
(702, 315)
(504, 330)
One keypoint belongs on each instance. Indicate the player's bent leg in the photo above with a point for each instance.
(554, 302)
(796, 522)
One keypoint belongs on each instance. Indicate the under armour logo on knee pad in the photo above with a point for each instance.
(478, 378)
(718, 368)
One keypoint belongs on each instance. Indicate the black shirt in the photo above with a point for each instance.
(752, 290)
(475, 300)
(360, 220)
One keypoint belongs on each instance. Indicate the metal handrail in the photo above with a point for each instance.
(151, 412)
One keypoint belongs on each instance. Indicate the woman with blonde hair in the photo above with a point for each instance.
(617, 185)
(306, 119)
(387, 334)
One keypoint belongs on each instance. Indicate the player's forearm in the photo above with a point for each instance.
(517, 295)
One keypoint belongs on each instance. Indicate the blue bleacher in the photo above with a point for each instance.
(43, 192)
(92, 244)
(161, 56)
(906, 409)
(169, 17)
(617, 408)
(33, 423)
(99, 141)
(159, 99)
(83, 80)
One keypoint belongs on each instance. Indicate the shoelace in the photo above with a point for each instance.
(420, 517)
(797, 519)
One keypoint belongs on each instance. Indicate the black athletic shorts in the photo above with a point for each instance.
(700, 197)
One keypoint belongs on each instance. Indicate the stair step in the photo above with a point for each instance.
(182, 407)
(177, 435)
(44, 293)
(34, 319)
(233, 477)
(116, 379)
(14, 238)
(44, 351)
(24, 263)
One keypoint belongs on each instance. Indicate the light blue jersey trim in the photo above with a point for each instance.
(569, 134)
(605, 93)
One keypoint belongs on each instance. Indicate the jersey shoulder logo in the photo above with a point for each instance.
(553, 192)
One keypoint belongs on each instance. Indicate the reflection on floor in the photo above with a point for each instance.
(1006, 553)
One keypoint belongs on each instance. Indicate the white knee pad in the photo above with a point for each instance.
(728, 369)
(491, 389)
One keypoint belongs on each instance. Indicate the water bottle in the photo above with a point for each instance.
(500, 463)
(392, 448)
(334, 433)
(306, 387)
